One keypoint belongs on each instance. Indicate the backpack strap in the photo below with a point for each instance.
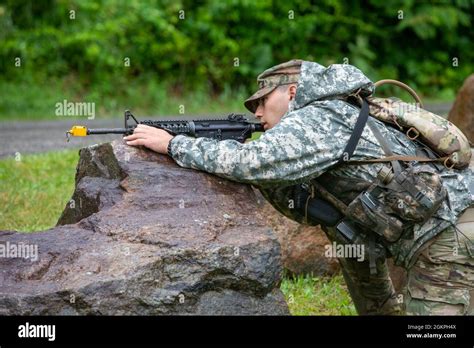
(391, 157)
(385, 146)
(356, 134)
(402, 85)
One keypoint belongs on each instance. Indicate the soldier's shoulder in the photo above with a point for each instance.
(324, 111)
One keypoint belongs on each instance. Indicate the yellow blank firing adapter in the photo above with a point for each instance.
(77, 131)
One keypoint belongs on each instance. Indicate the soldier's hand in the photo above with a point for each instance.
(153, 138)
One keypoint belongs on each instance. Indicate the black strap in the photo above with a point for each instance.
(356, 133)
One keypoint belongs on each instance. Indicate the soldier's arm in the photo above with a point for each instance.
(302, 145)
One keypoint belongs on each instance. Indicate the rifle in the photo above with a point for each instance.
(234, 126)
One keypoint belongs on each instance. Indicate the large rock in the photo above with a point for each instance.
(144, 236)
(302, 246)
(462, 113)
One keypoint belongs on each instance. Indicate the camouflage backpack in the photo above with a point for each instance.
(440, 135)
(403, 194)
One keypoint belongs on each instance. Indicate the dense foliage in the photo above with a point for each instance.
(225, 44)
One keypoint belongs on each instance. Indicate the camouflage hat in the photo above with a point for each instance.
(281, 74)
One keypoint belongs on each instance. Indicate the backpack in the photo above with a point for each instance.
(402, 194)
(434, 131)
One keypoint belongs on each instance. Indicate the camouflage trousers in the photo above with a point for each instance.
(441, 281)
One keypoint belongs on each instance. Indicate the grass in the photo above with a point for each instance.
(27, 98)
(31, 100)
(35, 188)
(308, 295)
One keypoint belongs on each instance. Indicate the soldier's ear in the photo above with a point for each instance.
(292, 91)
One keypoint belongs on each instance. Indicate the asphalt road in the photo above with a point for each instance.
(41, 136)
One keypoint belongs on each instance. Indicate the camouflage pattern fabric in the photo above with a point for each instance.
(304, 146)
(439, 134)
(412, 196)
(441, 282)
(281, 74)
(371, 294)
(310, 139)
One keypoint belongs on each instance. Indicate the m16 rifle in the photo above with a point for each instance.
(234, 126)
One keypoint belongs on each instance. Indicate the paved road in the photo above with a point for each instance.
(43, 136)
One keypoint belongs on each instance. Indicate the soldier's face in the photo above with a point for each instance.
(274, 105)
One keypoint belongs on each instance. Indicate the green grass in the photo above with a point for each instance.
(30, 100)
(35, 189)
(308, 295)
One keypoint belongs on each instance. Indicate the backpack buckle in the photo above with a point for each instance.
(412, 130)
(446, 161)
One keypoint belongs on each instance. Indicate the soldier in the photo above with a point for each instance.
(304, 109)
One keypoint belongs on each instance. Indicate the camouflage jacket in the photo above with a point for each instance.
(308, 142)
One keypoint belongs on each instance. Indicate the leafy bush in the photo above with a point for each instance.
(225, 44)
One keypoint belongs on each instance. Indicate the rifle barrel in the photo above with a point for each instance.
(106, 131)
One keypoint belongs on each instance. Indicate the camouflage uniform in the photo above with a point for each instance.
(441, 282)
(305, 145)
